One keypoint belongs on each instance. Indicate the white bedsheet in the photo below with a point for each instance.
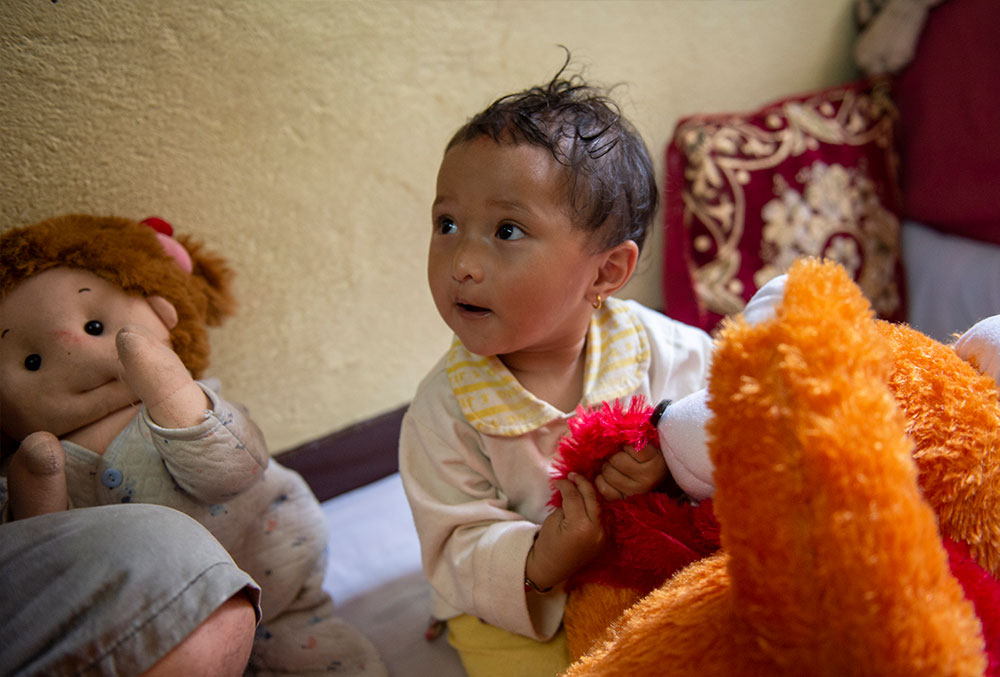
(376, 581)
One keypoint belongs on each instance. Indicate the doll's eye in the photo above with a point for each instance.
(94, 328)
(33, 362)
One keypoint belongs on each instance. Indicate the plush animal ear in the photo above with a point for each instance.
(165, 310)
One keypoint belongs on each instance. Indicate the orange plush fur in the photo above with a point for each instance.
(128, 254)
(839, 443)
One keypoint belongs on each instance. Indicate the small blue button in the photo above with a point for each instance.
(111, 478)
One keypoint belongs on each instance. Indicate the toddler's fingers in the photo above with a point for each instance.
(570, 494)
(624, 462)
(589, 495)
(609, 492)
(623, 474)
(644, 455)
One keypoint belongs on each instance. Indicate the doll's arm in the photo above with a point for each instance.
(980, 346)
(220, 457)
(211, 449)
(157, 376)
(36, 477)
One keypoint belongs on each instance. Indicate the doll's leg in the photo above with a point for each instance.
(307, 638)
(113, 589)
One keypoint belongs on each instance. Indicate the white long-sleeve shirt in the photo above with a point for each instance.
(476, 450)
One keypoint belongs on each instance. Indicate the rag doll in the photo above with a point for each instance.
(103, 324)
(853, 469)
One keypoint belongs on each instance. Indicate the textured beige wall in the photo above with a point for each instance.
(301, 138)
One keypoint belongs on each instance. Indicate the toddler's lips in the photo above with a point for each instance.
(470, 308)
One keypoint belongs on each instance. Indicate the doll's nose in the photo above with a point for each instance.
(66, 340)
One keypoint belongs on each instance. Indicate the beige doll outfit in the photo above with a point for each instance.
(476, 452)
(220, 473)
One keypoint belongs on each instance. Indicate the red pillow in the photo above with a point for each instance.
(748, 193)
(948, 100)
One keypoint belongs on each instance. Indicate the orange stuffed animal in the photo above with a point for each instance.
(857, 474)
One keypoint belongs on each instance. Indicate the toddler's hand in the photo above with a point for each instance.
(631, 472)
(570, 537)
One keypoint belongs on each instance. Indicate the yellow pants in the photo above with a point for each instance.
(488, 651)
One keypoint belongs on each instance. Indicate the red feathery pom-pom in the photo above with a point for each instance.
(596, 434)
(651, 535)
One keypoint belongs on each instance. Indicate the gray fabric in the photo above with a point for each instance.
(107, 590)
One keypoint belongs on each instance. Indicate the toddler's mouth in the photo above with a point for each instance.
(469, 308)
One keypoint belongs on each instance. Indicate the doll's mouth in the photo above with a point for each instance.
(99, 385)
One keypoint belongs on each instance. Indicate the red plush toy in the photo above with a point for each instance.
(651, 535)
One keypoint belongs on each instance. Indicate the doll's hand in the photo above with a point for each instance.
(570, 537)
(631, 472)
(36, 478)
(159, 378)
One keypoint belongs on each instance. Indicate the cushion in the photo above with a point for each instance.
(749, 193)
(949, 138)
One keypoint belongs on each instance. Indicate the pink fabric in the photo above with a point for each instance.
(949, 100)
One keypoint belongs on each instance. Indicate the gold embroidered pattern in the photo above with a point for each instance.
(824, 209)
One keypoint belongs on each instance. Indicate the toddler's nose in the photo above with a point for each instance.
(467, 263)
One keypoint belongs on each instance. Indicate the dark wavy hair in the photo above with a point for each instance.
(611, 181)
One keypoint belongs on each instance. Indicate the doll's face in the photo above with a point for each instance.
(58, 362)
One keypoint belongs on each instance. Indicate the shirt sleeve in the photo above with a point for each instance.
(473, 544)
(217, 459)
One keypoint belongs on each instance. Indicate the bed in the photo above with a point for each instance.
(942, 264)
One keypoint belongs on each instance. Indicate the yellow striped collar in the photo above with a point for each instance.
(495, 403)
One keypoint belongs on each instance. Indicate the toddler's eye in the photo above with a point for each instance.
(33, 362)
(508, 231)
(445, 225)
(94, 328)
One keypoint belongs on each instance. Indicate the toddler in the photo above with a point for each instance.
(543, 202)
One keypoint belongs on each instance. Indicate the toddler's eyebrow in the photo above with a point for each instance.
(4, 334)
(513, 205)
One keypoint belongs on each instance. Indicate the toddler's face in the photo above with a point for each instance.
(508, 271)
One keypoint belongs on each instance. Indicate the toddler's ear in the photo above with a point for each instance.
(616, 268)
(165, 310)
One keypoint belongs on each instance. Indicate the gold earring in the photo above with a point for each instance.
(598, 303)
